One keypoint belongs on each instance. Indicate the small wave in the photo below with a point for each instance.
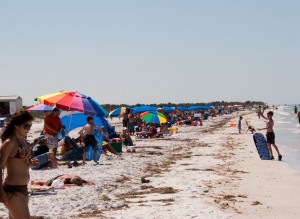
(296, 132)
(283, 113)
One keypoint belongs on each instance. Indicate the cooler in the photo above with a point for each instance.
(117, 146)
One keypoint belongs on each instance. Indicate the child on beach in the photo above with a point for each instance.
(89, 138)
(240, 124)
(270, 133)
(250, 127)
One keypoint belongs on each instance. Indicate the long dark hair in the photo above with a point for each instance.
(20, 117)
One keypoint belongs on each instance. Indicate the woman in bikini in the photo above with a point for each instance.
(16, 156)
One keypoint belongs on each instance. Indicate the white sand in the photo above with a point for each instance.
(190, 175)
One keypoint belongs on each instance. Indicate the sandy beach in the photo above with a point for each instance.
(199, 172)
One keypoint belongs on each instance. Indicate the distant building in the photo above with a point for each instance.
(10, 104)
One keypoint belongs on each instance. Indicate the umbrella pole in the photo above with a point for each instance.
(70, 123)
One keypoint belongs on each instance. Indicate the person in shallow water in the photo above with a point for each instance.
(270, 134)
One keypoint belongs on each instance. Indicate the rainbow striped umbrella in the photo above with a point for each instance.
(40, 108)
(153, 117)
(73, 101)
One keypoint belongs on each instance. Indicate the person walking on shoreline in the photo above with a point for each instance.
(270, 133)
(298, 115)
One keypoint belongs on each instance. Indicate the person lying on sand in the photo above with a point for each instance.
(67, 179)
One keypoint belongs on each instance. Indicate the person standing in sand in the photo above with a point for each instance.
(16, 156)
(240, 124)
(298, 115)
(125, 118)
(258, 111)
(270, 133)
(131, 123)
(89, 138)
(52, 127)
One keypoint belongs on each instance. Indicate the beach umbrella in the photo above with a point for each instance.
(40, 108)
(153, 117)
(198, 108)
(117, 112)
(182, 109)
(73, 101)
(141, 109)
(168, 109)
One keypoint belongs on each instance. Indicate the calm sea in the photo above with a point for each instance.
(287, 131)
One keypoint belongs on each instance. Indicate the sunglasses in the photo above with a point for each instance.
(27, 126)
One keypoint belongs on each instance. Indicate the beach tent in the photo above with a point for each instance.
(75, 120)
(141, 109)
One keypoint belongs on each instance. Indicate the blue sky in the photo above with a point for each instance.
(152, 51)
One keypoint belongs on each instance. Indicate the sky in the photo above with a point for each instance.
(155, 51)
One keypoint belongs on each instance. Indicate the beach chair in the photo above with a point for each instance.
(43, 161)
(76, 153)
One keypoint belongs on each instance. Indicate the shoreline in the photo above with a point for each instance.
(260, 189)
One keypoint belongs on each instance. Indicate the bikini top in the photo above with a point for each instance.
(23, 151)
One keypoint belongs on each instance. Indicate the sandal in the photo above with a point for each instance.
(279, 157)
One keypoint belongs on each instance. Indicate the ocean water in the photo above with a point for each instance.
(287, 131)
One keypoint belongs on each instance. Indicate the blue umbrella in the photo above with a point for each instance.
(141, 109)
(168, 109)
(117, 112)
(198, 108)
(182, 109)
